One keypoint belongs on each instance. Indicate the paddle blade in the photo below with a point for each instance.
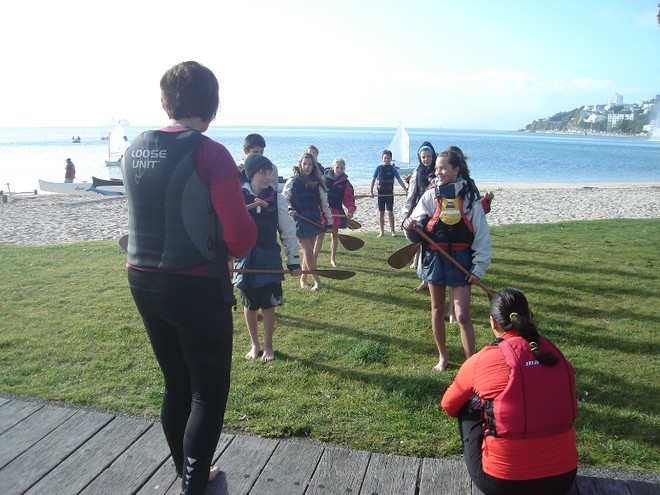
(403, 256)
(350, 243)
(335, 274)
(123, 243)
(353, 224)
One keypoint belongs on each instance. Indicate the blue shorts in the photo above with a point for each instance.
(438, 270)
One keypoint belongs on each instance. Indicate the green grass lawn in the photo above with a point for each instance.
(353, 361)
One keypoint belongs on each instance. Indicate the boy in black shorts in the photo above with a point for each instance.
(385, 175)
(263, 290)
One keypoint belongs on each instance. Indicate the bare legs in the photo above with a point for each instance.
(461, 301)
(381, 222)
(333, 249)
(251, 319)
(309, 262)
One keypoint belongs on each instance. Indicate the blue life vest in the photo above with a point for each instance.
(336, 187)
(385, 178)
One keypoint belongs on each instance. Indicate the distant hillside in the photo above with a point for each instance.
(640, 119)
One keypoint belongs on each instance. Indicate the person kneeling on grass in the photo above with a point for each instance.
(264, 290)
(516, 403)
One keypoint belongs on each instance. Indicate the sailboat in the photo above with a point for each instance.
(400, 148)
(117, 144)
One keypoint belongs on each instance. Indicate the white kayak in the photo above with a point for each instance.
(65, 187)
(80, 188)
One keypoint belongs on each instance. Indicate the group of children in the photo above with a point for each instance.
(316, 200)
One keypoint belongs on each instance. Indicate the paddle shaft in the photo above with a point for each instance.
(423, 235)
(377, 195)
(349, 242)
(336, 274)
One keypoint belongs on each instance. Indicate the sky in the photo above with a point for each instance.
(350, 63)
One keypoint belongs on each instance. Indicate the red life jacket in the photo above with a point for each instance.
(538, 400)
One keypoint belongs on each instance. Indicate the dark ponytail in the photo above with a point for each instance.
(510, 310)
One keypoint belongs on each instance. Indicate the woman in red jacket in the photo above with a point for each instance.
(515, 401)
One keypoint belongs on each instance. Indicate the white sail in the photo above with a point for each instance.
(117, 144)
(400, 146)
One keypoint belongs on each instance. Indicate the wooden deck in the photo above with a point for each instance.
(55, 450)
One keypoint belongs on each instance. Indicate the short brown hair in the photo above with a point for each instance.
(188, 90)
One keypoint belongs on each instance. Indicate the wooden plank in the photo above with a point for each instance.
(134, 467)
(240, 465)
(166, 482)
(85, 464)
(27, 469)
(33, 428)
(601, 486)
(391, 475)
(446, 476)
(339, 471)
(14, 412)
(643, 488)
(289, 469)
(3, 401)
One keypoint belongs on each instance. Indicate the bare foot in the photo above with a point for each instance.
(213, 472)
(316, 288)
(333, 262)
(380, 235)
(421, 287)
(441, 366)
(413, 266)
(303, 284)
(253, 354)
(268, 356)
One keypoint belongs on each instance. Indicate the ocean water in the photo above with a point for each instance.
(30, 154)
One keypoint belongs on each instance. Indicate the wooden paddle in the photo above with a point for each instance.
(350, 223)
(334, 274)
(403, 256)
(349, 242)
(423, 235)
(357, 196)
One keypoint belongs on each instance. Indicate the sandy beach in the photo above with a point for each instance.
(51, 219)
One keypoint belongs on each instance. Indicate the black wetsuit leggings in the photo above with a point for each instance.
(191, 330)
(469, 425)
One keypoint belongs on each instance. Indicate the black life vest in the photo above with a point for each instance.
(449, 226)
(385, 179)
(538, 400)
(267, 218)
(172, 224)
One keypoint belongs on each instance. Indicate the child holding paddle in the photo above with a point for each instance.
(307, 196)
(452, 216)
(385, 175)
(264, 290)
(340, 194)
